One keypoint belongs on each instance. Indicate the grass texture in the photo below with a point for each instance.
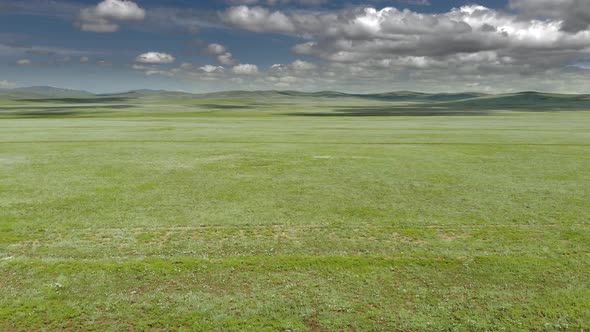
(292, 214)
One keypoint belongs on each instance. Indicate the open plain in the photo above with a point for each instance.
(295, 212)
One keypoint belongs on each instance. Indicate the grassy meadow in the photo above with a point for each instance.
(279, 212)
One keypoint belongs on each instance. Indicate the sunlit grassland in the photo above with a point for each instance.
(292, 215)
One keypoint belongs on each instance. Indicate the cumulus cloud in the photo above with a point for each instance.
(258, 19)
(227, 59)
(297, 67)
(108, 14)
(223, 56)
(212, 69)
(245, 69)
(185, 71)
(120, 10)
(300, 65)
(204, 73)
(216, 49)
(298, 74)
(155, 58)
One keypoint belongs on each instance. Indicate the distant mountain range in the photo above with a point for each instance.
(464, 99)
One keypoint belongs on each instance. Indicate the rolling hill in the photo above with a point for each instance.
(520, 100)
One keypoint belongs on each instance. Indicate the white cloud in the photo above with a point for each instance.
(184, 71)
(300, 65)
(84, 59)
(23, 62)
(166, 73)
(155, 58)
(223, 56)
(106, 16)
(122, 10)
(258, 19)
(227, 59)
(299, 74)
(216, 49)
(212, 69)
(7, 84)
(245, 69)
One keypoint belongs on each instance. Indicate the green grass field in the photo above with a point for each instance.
(302, 214)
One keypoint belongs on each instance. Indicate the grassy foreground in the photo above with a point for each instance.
(171, 214)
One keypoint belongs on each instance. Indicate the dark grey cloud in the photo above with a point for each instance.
(364, 35)
(575, 14)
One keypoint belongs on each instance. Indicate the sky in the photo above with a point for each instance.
(366, 46)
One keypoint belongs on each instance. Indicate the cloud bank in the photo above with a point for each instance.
(466, 43)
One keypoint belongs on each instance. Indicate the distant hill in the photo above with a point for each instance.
(48, 91)
(262, 94)
(528, 99)
(401, 96)
(409, 96)
(147, 93)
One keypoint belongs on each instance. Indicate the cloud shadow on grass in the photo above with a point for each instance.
(49, 112)
(225, 107)
(91, 100)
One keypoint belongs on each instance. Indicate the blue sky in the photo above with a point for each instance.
(356, 46)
